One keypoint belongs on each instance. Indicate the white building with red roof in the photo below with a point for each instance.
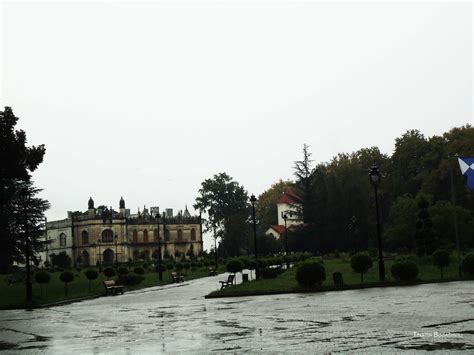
(288, 204)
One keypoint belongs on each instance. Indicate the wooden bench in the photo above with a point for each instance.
(212, 272)
(230, 281)
(177, 277)
(111, 288)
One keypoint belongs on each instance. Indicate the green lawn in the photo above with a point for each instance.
(14, 295)
(286, 282)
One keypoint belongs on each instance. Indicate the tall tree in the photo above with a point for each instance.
(18, 162)
(226, 203)
(304, 172)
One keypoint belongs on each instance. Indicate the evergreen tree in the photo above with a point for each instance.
(18, 161)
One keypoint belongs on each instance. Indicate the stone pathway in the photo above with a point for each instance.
(177, 318)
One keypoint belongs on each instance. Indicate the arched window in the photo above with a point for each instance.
(155, 235)
(108, 256)
(107, 236)
(180, 235)
(85, 258)
(85, 237)
(135, 237)
(145, 236)
(167, 235)
(136, 255)
(62, 240)
(193, 234)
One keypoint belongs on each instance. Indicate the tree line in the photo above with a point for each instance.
(338, 200)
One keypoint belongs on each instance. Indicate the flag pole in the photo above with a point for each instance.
(453, 201)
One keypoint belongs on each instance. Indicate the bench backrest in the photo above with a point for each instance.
(174, 274)
(109, 283)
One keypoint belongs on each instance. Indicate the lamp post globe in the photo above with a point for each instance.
(375, 177)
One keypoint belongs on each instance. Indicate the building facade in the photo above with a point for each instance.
(288, 204)
(102, 235)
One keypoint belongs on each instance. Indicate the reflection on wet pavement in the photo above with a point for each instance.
(178, 318)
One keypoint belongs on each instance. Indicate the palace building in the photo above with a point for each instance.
(102, 235)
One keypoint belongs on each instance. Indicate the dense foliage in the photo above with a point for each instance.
(361, 263)
(310, 273)
(139, 270)
(404, 270)
(61, 260)
(18, 161)
(91, 274)
(414, 196)
(441, 259)
(109, 272)
(130, 279)
(42, 277)
(66, 277)
(467, 264)
(227, 205)
(234, 265)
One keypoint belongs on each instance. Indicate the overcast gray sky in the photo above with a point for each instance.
(147, 100)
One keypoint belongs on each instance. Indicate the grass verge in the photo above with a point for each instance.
(13, 296)
(286, 282)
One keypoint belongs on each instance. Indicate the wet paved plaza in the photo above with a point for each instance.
(177, 318)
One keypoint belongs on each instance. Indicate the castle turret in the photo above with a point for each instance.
(90, 204)
(91, 209)
(123, 210)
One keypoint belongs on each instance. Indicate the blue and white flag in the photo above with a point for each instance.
(467, 169)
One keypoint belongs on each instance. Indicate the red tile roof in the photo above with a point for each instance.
(290, 197)
(279, 229)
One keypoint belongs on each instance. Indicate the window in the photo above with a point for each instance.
(62, 240)
(145, 236)
(155, 235)
(167, 235)
(193, 234)
(180, 235)
(85, 237)
(135, 237)
(107, 236)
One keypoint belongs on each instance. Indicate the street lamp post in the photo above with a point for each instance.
(160, 271)
(100, 259)
(29, 286)
(375, 177)
(116, 250)
(253, 200)
(215, 249)
(285, 217)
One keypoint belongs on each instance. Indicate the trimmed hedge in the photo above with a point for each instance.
(467, 264)
(130, 279)
(234, 265)
(122, 270)
(405, 270)
(310, 273)
(361, 263)
(139, 270)
(270, 273)
(109, 272)
(441, 259)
